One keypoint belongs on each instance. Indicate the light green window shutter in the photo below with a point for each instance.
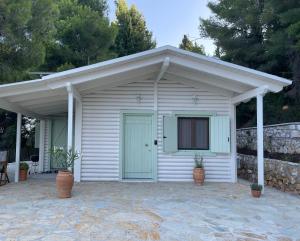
(37, 136)
(220, 134)
(170, 134)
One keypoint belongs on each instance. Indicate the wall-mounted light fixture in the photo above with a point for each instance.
(196, 99)
(139, 99)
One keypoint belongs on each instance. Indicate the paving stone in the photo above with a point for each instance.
(146, 211)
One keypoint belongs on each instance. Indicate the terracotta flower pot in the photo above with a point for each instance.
(256, 193)
(199, 175)
(23, 175)
(64, 184)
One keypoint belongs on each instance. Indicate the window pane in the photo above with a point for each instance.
(185, 132)
(201, 130)
(193, 133)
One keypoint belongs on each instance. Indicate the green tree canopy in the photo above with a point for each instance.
(84, 35)
(236, 29)
(188, 45)
(97, 5)
(283, 40)
(133, 35)
(264, 35)
(25, 29)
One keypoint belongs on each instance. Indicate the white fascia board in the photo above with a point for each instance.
(17, 109)
(108, 63)
(250, 94)
(163, 69)
(221, 72)
(21, 83)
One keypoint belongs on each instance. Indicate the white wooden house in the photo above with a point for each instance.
(143, 116)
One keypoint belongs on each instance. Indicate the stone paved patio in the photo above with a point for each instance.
(146, 211)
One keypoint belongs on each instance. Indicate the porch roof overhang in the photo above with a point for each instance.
(48, 96)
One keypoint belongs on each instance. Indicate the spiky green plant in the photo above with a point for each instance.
(64, 158)
(198, 161)
(256, 187)
(24, 166)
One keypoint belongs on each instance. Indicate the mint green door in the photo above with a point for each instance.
(59, 132)
(138, 146)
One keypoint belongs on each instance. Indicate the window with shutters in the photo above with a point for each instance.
(193, 133)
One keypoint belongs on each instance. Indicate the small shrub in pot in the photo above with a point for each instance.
(198, 173)
(256, 189)
(65, 161)
(23, 170)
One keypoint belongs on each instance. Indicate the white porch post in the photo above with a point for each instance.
(233, 142)
(18, 146)
(42, 145)
(70, 119)
(73, 93)
(78, 126)
(260, 139)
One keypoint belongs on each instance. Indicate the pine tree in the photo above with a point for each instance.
(188, 45)
(25, 29)
(97, 5)
(84, 35)
(264, 35)
(133, 35)
(237, 30)
(283, 40)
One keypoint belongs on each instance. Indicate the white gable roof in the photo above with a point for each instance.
(166, 50)
(230, 78)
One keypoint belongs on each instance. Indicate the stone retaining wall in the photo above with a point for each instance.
(279, 174)
(282, 138)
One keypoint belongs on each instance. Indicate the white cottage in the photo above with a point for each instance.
(143, 116)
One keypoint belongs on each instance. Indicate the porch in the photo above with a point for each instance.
(146, 211)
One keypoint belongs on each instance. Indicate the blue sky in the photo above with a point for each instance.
(169, 20)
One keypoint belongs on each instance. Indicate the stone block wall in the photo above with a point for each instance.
(282, 138)
(279, 174)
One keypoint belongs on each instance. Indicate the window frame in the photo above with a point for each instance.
(193, 113)
(207, 118)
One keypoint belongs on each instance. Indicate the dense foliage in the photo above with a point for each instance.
(84, 35)
(25, 29)
(133, 35)
(264, 35)
(188, 45)
(50, 36)
(55, 35)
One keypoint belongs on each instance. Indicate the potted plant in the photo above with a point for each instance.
(64, 179)
(23, 171)
(198, 173)
(256, 189)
